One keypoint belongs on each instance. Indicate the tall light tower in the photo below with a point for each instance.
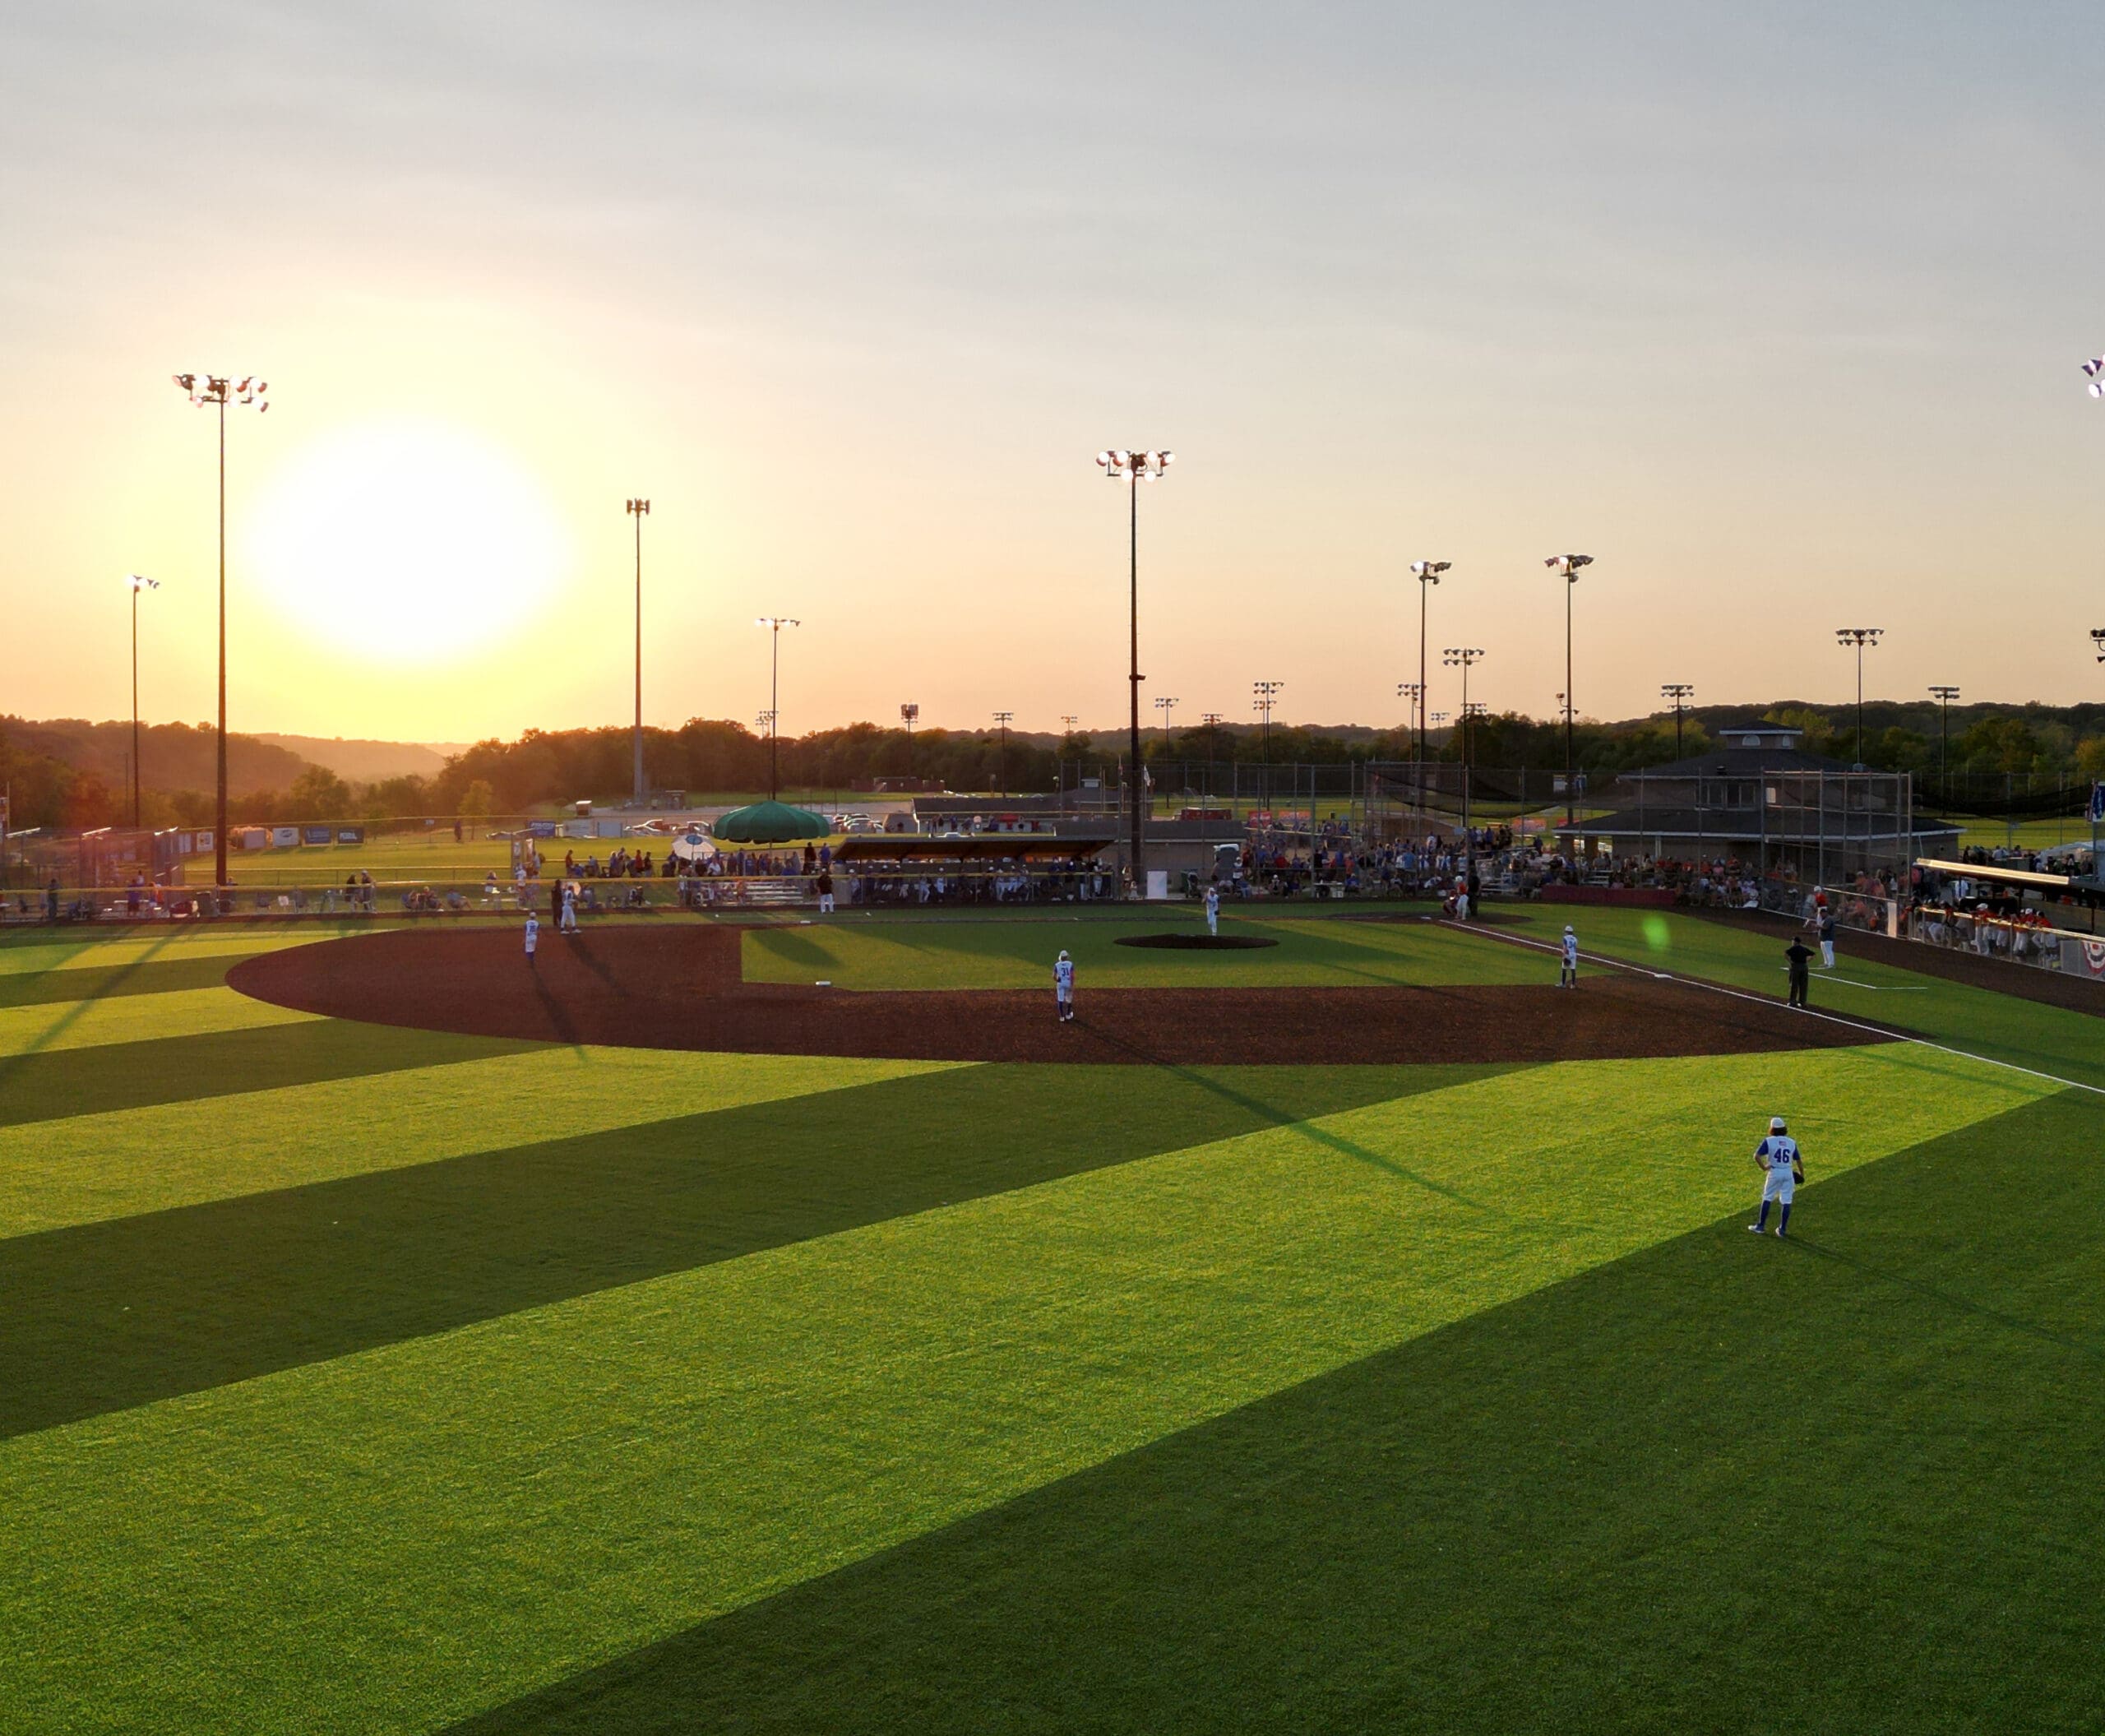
(1566, 567)
(1005, 719)
(1427, 575)
(1414, 692)
(1266, 696)
(907, 714)
(638, 510)
(1680, 693)
(774, 624)
(1859, 636)
(137, 585)
(1211, 721)
(218, 391)
(1133, 467)
(1464, 657)
(1163, 704)
(1944, 697)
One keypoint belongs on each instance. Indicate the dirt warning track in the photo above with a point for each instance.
(660, 986)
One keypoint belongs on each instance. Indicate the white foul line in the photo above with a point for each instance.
(1740, 994)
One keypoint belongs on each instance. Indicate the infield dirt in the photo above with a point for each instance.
(657, 986)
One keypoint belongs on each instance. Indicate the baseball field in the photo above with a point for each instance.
(789, 1326)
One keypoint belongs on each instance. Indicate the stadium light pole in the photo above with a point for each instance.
(1566, 567)
(2097, 639)
(1133, 467)
(219, 390)
(774, 624)
(138, 584)
(638, 509)
(1859, 636)
(1266, 696)
(1944, 697)
(1680, 693)
(1004, 718)
(1464, 657)
(1427, 575)
(1413, 692)
(1211, 721)
(907, 714)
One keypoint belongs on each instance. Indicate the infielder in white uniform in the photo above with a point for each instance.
(1213, 909)
(1063, 987)
(1782, 1168)
(1567, 977)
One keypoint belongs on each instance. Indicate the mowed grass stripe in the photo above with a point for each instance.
(124, 1311)
(878, 955)
(41, 1088)
(1557, 1515)
(550, 1490)
(125, 1162)
(91, 1024)
(1979, 1021)
(152, 976)
(93, 951)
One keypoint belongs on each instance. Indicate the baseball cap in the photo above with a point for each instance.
(1775, 1124)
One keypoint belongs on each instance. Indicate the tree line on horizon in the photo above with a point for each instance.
(61, 774)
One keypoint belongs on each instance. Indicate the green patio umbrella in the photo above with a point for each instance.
(770, 822)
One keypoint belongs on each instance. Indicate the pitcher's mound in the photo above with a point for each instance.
(1196, 943)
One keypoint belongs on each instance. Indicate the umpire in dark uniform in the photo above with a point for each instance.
(1800, 956)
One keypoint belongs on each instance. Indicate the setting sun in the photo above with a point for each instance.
(405, 542)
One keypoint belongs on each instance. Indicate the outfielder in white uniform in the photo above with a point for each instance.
(532, 935)
(1567, 976)
(569, 909)
(1213, 909)
(1783, 1168)
(1063, 987)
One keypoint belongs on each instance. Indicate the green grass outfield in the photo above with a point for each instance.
(371, 1380)
(854, 950)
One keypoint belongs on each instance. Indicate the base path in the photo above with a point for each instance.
(665, 986)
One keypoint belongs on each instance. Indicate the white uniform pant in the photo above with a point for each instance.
(1777, 1185)
(1213, 921)
(1827, 955)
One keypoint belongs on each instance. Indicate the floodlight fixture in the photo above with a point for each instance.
(218, 391)
(1133, 466)
(637, 507)
(2097, 639)
(1859, 637)
(1944, 694)
(1264, 696)
(774, 624)
(1680, 693)
(1427, 575)
(138, 582)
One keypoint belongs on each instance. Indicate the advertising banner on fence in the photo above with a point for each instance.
(2082, 957)
(350, 835)
(286, 837)
(316, 833)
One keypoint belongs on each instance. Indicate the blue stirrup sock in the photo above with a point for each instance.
(1783, 1223)
(1762, 1221)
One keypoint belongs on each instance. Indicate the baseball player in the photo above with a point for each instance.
(1783, 1168)
(569, 923)
(1213, 909)
(532, 935)
(1567, 977)
(1063, 987)
(1827, 936)
(826, 891)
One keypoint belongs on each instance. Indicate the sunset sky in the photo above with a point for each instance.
(1777, 314)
